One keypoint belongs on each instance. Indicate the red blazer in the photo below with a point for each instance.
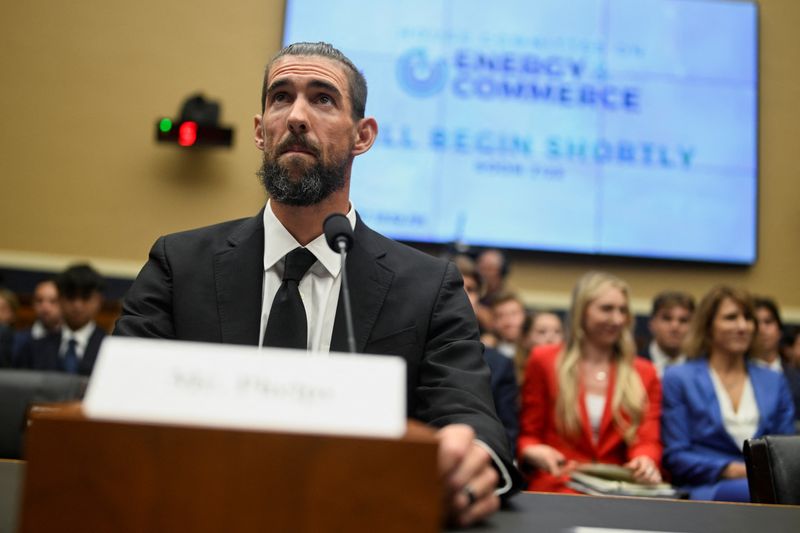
(537, 420)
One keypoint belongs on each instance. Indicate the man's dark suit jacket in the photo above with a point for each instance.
(42, 354)
(505, 393)
(206, 285)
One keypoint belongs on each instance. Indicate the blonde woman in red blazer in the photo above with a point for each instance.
(592, 399)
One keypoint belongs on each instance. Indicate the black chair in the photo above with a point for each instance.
(21, 388)
(773, 469)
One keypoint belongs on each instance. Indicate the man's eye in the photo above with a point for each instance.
(324, 99)
(279, 97)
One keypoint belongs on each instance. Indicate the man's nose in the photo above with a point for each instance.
(298, 117)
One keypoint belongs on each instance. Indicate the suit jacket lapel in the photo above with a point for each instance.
(239, 276)
(92, 348)
(709, 393)
(369, 280)
(587, 439)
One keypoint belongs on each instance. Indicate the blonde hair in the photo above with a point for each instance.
(698, 339)
(628, 395)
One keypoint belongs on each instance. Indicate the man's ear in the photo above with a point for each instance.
(366, 132)
(258, 131)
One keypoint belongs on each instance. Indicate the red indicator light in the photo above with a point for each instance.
(187, 134)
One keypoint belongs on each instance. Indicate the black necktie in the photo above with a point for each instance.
(286, 326)
(70, 361)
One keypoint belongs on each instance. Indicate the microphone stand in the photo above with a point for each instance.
(348, 313)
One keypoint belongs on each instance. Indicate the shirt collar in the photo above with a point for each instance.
(278, 242)
(80, 335)
(774, 365)
(660, 356)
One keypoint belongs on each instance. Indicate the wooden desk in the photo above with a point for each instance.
(558, 513)
(545, 513)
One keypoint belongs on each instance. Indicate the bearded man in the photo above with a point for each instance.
(227, 283)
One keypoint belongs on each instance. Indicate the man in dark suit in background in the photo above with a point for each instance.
(234, 282)
(73, 348)
(505, 390)
(48, 314)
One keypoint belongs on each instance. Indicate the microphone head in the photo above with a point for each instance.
(337, 229)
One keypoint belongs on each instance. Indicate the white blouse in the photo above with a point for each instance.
(595, 405)
(742, 424)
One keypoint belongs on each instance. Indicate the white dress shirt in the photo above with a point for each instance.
(774, 365)
(319, 288)
(81, 337)
(595, 407)
(38, 331)
(661, 360)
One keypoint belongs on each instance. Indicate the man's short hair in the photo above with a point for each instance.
(466, 266)
(79, 281)
(356, 80)
(670, 299)
(763, 302)
(505, 297)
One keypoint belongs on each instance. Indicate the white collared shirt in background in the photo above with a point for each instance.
(661, 360)
(81, 337)
(774, 365)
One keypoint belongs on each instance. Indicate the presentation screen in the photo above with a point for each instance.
(616, 127)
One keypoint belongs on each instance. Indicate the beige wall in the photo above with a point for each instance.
(82, 178)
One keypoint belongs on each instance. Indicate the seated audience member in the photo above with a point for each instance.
(540, 329)
(718, 398)
(6, 346)
(509, 320)
(790, 347)
(47, 312)
(790, 351)
(505, 391)
(492, 268)
(74, 347)
(593, 399)
(669, 323)
(9, 304)
(8, 314)
(766, 349)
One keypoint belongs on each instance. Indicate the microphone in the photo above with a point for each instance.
(338, 232)
(339, 235)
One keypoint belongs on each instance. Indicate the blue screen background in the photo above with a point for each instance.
(620, 127)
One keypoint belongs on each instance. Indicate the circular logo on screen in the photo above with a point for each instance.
(418, 75)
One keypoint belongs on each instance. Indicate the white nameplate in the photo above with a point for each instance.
(188, 383)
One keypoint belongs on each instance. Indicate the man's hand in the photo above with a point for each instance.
(469, 477)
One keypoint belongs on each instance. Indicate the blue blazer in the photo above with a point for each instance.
(696, 445)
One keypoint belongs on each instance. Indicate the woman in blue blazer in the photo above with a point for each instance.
(717, 399)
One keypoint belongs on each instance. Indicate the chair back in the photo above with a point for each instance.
(773, 469)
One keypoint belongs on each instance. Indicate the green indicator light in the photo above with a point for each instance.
(165, 125)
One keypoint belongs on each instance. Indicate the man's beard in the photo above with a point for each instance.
(317, 182)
